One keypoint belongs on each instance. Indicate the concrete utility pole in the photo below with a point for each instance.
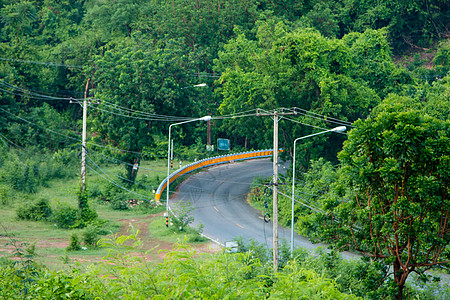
(83, 139)
(84, 132)
(275, 115)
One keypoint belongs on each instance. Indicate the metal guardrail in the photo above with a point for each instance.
(207, 162)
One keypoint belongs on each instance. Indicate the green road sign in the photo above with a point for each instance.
(223, 144)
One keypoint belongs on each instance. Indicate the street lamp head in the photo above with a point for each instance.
(200, 85)
(339, 129)
(205, 118)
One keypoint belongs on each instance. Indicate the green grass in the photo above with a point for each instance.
(63, 192)
(171, 234)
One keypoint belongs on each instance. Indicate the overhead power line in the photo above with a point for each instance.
(303, 112)
(116, 175)
(18, 91)
(123, 109)
(112, 159)
(109, 179)
(44, 128)
(42, 63)
(149, 118)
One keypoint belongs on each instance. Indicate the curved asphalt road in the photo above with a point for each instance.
(218, 195)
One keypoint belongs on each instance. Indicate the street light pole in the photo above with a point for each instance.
(336, 129)
(205, 118)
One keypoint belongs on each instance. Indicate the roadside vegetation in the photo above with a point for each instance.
(380, 68)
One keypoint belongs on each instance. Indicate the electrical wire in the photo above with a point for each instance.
(47, 129)
(315, 209)
(69, 137)
(306, 113)
(306, 124)
(319, 116)
(140, 118)
(24, 92)
(143, 113)
(41, 63)
(11, 142)
(235, 117)
(112, 148)
(118, 185)
(110, 180)
(18, 91)
(236, 114)
(9, 146)
(112, 159)
(118, 176)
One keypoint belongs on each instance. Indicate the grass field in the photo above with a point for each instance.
(47, 243)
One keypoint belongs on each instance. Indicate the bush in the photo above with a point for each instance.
(37, 211)
(74, 243)
(4, 194)
(119, 201)
(183, 212)
(19, 175)
(86, 215)
(95, 191)
(91, 235)
(65, 217)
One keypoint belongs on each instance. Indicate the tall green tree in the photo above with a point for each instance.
(138, 85)
(338, 78)
(411, 24)
(397, 169)
(18, 18)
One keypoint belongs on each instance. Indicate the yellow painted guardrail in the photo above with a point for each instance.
(207, 162)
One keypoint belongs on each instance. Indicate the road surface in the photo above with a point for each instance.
(218, 195)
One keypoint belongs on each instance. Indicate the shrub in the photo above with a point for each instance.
(119, 201)
(183, 212)
(74, 243)
(37, 211)
(91, 235)
(95, 191)
(65, 217)
(4, 194)
(86, 214)
(19, 175)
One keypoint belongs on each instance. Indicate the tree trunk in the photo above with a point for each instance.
(399, 278)
(134, 169)
(399, 295)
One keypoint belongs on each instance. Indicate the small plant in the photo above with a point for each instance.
(65, 259)
(75, 244)
(91, 236)
(31, 249)
(183, 214)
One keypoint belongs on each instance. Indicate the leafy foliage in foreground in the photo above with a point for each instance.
(182, 275)
(124, 274)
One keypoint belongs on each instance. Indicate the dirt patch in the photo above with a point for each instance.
(149, 242)
(141, 224)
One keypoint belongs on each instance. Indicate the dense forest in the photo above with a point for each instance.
(381, 68)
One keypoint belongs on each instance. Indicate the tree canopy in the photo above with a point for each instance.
(396, 168)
